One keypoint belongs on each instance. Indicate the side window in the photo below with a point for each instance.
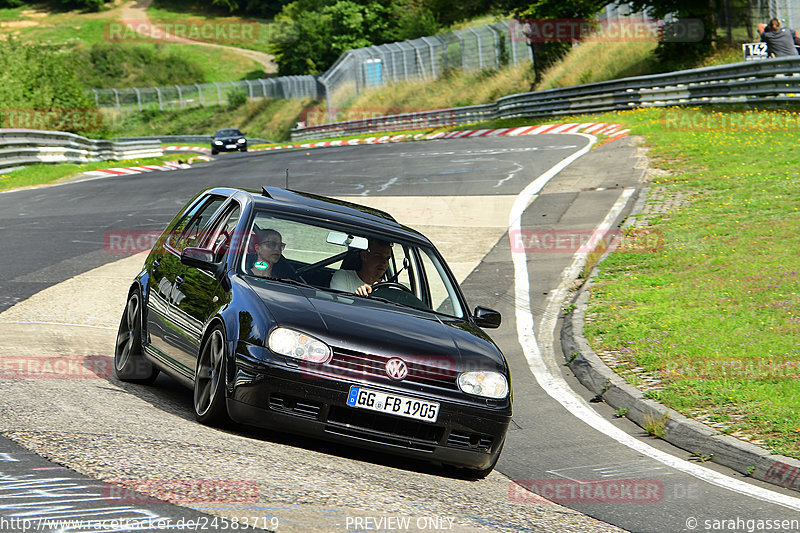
(220, 238)
(441, 293)
(188, 230)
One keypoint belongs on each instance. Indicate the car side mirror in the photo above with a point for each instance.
(487, 318)
(198, 258)
(203, 259)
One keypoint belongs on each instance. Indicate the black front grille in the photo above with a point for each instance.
(434, 371)
(295, 406)
(472, 441)
(385, 425)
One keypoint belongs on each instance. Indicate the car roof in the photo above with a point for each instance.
(295, 202)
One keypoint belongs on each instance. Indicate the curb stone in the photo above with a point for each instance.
(685, 433)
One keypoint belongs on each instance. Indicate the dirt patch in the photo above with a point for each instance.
(14, 24)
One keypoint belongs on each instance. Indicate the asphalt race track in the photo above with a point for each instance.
(65, 269)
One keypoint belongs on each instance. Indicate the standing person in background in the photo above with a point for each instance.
(780, 41)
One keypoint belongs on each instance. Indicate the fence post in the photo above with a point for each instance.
(480, 50)
(116, 97)
(444, 45)
(199, 94)
(463, 50)
(96, 98)
(512, 41)
(160, 103)
(180, 96)
(219, 94)
(496, 45)
(433, 59)
(138, 98)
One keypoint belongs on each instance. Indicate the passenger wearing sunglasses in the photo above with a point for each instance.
(270, 262)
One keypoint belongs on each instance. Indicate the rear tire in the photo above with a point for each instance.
(130, 363)
(209, 381)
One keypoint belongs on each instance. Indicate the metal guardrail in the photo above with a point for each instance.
(772, 81)
(196, 139)
(19, 148)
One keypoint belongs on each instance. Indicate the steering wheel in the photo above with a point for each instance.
(391, 285)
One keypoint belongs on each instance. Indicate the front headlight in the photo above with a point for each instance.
(487, 384)
(298, 345)
(217, 142)
(240, 141)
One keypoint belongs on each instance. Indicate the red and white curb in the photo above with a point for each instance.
(609, 131)
(595, 128)
(123, 171)
(202, 149)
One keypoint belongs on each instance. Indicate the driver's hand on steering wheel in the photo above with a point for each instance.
(364, 290)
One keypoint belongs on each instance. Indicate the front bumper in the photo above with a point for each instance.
(288, 399)
(232, 146)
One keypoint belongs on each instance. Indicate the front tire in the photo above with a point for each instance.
(129, 361)
(209, 380)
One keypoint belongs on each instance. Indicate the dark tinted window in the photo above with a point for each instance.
(189, 229)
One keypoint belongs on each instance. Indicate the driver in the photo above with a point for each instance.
(374, 262)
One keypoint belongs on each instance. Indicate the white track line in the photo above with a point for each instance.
(558, 389)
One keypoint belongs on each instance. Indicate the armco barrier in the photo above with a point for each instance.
(773, 81)
(194, 139)
(19, 148)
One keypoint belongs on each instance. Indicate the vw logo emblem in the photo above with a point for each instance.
(396, 368)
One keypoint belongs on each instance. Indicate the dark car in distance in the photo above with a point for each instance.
(406, 369)
(228, 140)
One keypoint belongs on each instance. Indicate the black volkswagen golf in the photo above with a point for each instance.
(315, 316)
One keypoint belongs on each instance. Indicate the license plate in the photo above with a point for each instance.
(230, 146)
(393, 404)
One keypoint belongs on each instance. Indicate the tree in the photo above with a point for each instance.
(688, 40)
(547, 53)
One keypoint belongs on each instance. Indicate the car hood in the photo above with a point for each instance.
(357, 324)
(228, 139)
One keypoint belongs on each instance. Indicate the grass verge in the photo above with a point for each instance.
(712, 313)
(35, 175)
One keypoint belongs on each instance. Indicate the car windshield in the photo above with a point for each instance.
(228, 133)
(334, 259)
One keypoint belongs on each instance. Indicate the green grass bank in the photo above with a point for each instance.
(708, 321)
